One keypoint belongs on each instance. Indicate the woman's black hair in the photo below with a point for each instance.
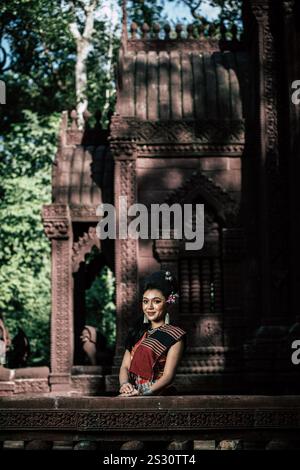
(163, 281)
(135, 333)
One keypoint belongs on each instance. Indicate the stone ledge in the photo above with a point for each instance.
(7, 388)
(184, 417)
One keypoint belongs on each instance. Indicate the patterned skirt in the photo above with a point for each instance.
(141, 384)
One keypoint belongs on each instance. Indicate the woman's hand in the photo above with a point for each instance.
(126, 388)
(132, 393)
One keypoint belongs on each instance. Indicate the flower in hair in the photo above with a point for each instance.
(172, 299)
(168, 276)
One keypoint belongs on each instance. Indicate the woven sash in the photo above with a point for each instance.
(152, 347)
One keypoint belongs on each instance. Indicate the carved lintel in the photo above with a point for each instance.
(84, 213)
(205, 132)
(225, 206)
(123, 150)
(167, 250)
(188, 150)
(57, 221)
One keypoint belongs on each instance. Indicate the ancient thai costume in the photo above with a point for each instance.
(149, 354)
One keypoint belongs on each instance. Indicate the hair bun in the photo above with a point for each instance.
(164, 281)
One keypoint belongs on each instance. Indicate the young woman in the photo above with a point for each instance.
(153, 348)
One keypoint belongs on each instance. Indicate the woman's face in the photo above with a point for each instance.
(154, 305)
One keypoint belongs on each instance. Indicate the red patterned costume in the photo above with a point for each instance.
(149, 354)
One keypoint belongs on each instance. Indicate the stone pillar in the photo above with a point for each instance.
(291, 130)
(273, 249)
(58, 228)
(262, 353)
(291, 136)
(125, 249)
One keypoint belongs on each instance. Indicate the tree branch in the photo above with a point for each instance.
(89, 23)
(193, 8)
(75, 31)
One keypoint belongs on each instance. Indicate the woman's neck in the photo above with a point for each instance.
(157, 325)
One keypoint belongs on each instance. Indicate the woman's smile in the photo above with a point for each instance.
(154, 305)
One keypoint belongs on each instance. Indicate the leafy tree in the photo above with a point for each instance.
(41, 56)
(230, 11)
(151, 11)
(145, 11)
(38, 61)
(25, 184)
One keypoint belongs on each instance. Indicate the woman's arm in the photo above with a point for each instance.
(173, 358)
(125, 385)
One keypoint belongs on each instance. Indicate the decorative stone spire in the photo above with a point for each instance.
(145, 30)
(133, 30)
(167, 30)
(190, 31)
(156, 30)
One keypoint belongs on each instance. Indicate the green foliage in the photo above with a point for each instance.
(101, 85)
(39, 77)
(25, 185)
(145, 11)
(229, 11)
(40, 70)
(100, 306)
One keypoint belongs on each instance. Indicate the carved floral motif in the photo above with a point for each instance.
(151, 132)
(126, 250)
(80, 420)
(84, 246)
(56, 221)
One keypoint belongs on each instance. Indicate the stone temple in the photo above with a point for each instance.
(202, 116)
